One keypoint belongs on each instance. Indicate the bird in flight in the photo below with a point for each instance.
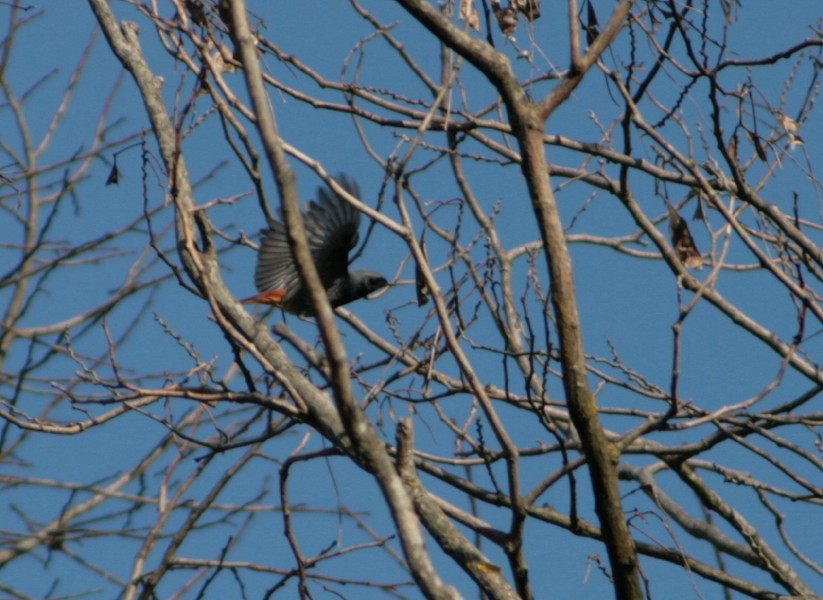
(331, 227)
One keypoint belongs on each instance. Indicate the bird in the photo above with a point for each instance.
(331, 228)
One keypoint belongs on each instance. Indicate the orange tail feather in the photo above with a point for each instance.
(271, 297)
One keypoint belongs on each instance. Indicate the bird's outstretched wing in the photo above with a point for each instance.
(275, 267)
(331, 226)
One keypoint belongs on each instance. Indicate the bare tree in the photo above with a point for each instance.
(564, 354)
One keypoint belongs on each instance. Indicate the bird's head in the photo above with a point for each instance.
(366, 282)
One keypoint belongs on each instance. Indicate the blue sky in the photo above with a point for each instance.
(630, 304)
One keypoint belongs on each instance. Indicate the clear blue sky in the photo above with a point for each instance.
(628, 303)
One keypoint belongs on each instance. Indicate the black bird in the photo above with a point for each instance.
(331, 227)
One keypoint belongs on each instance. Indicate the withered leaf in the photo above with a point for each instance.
(683, 241)
(469, 14)
(197, 12)
(592, 26)
(422, 287)
(506, 18)
(114, 175)
(758, 146)
(529, 8)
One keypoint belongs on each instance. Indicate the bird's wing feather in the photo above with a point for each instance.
(331, 227)
(275, 266)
